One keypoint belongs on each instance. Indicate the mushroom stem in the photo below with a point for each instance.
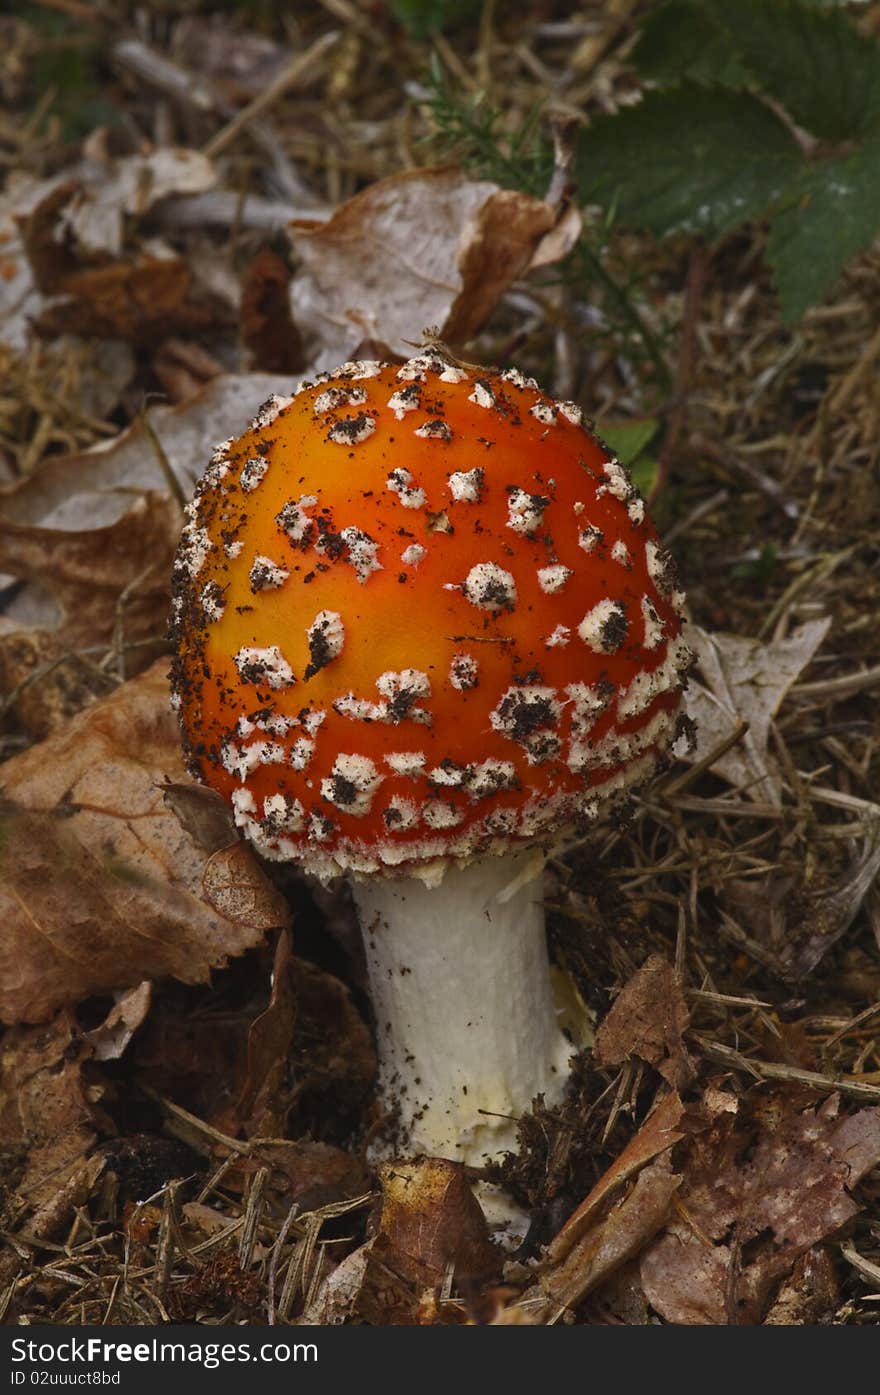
(465, 1018)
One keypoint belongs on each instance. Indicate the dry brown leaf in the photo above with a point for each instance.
(425, 248)
(657, 1135)
(338, 1296)
(317, 1174)
(109, 1040)
(102, 887)
(757, 1195)
(20, 298)
(648, 1020)
(793, 918)
(810, 1296)
(87, 571)
(109, 192)
(610, 1243)
(43, 683)
(44, 1109)
(432, 1221)
(141, 299)
(267, 327)
(745, 680)
(203, 813)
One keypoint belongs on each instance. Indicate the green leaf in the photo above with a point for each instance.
(810, 59)
(628, 438)
(687, 39)
(694, 159)
(645, 472)
(835, 214)
(422, 18)
(813, 61)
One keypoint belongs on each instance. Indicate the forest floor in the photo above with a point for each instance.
(184, 1108)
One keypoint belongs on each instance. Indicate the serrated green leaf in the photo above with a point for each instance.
(806, 56)
(835, 215)
(688, 39)
(694, 159)
(825, 74)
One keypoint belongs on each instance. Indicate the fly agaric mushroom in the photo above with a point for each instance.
(424, 628)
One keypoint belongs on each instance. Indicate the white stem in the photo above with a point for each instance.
(465, 1019)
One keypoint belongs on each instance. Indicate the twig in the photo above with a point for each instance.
(849, 1026)
(698, 270)
(701, 511)
(771, 1070)
(865, 1267)
(291, 75)
(845, 686)
(175, 488)
(252, 1217)
(681, 782)
(194, 1124)
(736, 464)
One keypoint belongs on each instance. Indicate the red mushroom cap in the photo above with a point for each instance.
(420, 614)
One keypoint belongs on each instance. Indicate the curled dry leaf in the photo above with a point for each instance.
(110, 1039)
(101, 885)
(428, 247)
(110, 192)
(609, 1229)
(203, 813)
(20, 298)
(610, 1243)
(758, 1193)
(66, 247)
(337, 1298)
(259, 1108)
(745, 680)
(430, 1228)
(648, 1020)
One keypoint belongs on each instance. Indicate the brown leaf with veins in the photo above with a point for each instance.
(648, 1019)
(100, 885)
(758, 1194)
